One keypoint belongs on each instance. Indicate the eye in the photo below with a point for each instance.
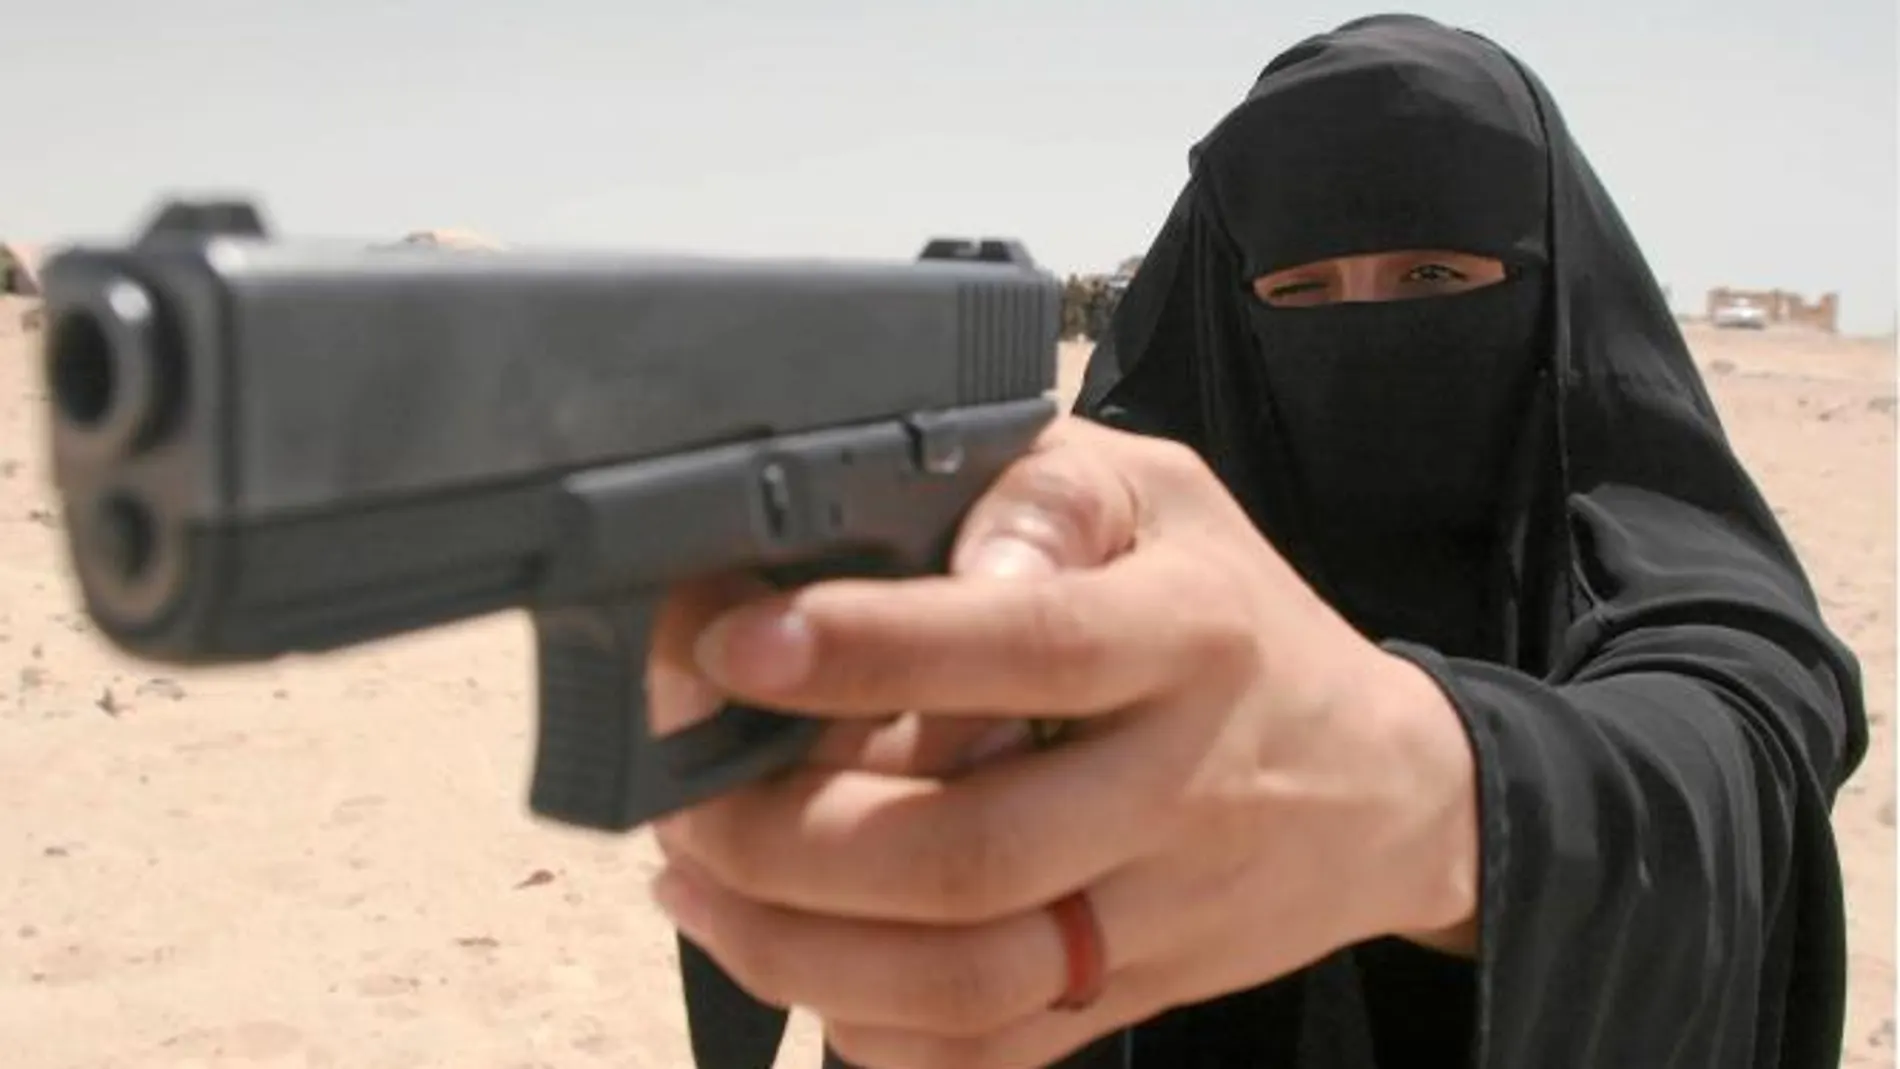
(1291, 291)
(1294, 289)
(1435, 274)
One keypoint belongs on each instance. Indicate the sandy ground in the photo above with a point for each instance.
(327, 863)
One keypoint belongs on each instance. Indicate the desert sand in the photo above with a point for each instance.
(327, 862)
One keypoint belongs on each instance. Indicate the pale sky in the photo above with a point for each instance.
(1749, 143)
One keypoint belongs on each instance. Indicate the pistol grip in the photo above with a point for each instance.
(597, 763)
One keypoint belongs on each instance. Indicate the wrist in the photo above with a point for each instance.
(1435, 823)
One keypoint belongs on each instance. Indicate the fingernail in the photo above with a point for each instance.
(1010, 558)
(757, 648)
(998, 740)
(681, 902)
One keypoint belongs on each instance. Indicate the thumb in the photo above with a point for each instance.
(1062, 506)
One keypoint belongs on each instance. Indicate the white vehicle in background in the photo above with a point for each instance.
(1740, 315)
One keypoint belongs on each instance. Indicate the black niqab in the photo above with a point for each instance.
(1394, 420)
(1526, 490)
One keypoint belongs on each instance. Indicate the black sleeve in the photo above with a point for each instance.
(1660, 883)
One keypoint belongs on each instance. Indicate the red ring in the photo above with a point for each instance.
(1082, 947)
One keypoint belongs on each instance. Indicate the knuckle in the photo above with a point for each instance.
(1172, 466)
(1227, 642)
(1222, 638)
(1059, 642)
(1058, 501)
(1065, 488)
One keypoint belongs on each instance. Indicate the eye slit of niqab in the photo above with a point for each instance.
(1367, 278)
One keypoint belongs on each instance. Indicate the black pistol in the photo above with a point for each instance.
(264, 447)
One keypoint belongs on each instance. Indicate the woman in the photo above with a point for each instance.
(1480, 713)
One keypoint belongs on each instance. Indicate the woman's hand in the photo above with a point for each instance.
(1245, 784)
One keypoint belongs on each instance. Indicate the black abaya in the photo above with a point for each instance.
(1660, 718)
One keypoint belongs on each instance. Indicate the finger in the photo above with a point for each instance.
(1283, 926)
(1062, 506)
(1041, 1039)
(951, 981)
(1068, 644)
(913, 745)
(941, 746)
(678, 694)
(1006, 837)
(678, 697)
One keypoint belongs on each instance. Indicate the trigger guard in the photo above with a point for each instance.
(738, 744)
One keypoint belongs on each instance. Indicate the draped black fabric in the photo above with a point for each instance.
(1661, 719)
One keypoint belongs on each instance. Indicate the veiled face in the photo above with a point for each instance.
(1381, 276)
(1379, 164)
